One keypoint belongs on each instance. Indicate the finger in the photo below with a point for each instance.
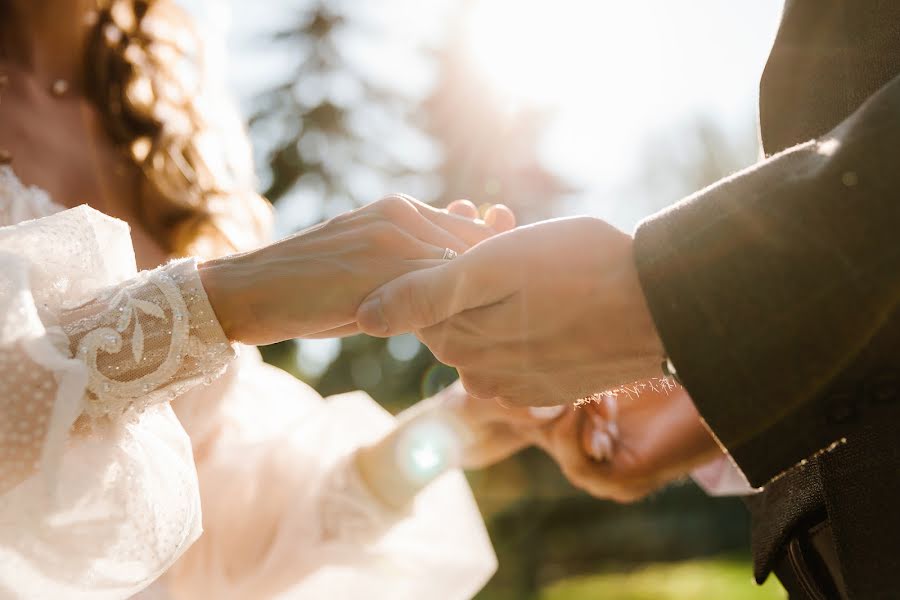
(463, 208)
(500, 218)
(432, 233)
(485, 385)
(563, 440)
(579, 467)
(423, 298)
(412, 301)
(468, 230)
(596, 440)
(335, 332)
(493, 445)
(434, 256)
(410, 215)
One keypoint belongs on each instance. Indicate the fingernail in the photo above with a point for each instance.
(371, 316)
(612, 406)
(500, 217)
(601, 445)
(463, 208)
(546, 413)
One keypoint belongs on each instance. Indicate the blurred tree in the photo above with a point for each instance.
(695, 153)
(323, 153)
(677, 161)
(319, 124)
(490, 143)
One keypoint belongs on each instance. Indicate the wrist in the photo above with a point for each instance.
(223, 289)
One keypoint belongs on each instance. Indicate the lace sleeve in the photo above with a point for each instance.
(98, 487)
(147, 341)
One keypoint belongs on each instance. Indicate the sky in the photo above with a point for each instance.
(631, 67)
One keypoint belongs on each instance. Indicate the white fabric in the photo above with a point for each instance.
(90, 506)
(99, 491)
(286, 516)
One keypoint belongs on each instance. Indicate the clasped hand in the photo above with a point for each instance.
(310, 284)
(616, 446)
(541, 315)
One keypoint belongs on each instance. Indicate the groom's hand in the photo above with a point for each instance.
(541, 315)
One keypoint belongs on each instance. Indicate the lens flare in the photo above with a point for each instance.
(427, 448)
(426, 458)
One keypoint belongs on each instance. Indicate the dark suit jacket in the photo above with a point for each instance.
(776, 292)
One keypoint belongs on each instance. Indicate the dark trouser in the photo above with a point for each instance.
(808, 568)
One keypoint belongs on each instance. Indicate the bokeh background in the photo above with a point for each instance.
(553, 107)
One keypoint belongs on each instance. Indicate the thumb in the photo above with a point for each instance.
(416, 300)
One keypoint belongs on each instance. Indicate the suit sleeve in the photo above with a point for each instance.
(775, 291)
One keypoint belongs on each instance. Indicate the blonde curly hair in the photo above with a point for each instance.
(146, 73)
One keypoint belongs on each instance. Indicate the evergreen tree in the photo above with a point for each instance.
(490, 146)
(322, 153)
(319, 120)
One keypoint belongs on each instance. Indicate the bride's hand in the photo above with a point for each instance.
(311, 283)
(624, 447)
(491, 431)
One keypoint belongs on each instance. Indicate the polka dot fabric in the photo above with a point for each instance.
(98, 488)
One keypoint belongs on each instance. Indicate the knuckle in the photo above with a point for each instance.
(395, 206)
(481, 387)
(348, 216)
(447, 352)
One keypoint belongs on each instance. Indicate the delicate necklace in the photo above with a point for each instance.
(59, 87)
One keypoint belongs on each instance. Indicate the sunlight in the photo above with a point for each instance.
(611, 71)
(538, 52)
(426, 457)
(427, 447)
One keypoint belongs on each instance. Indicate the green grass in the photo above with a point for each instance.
(700, 580)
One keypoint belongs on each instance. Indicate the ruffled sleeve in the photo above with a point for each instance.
(98, 490)
(287, 516)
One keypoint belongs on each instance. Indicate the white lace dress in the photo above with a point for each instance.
(101, 485)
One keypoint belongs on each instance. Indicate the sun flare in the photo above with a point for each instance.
(539, 51)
